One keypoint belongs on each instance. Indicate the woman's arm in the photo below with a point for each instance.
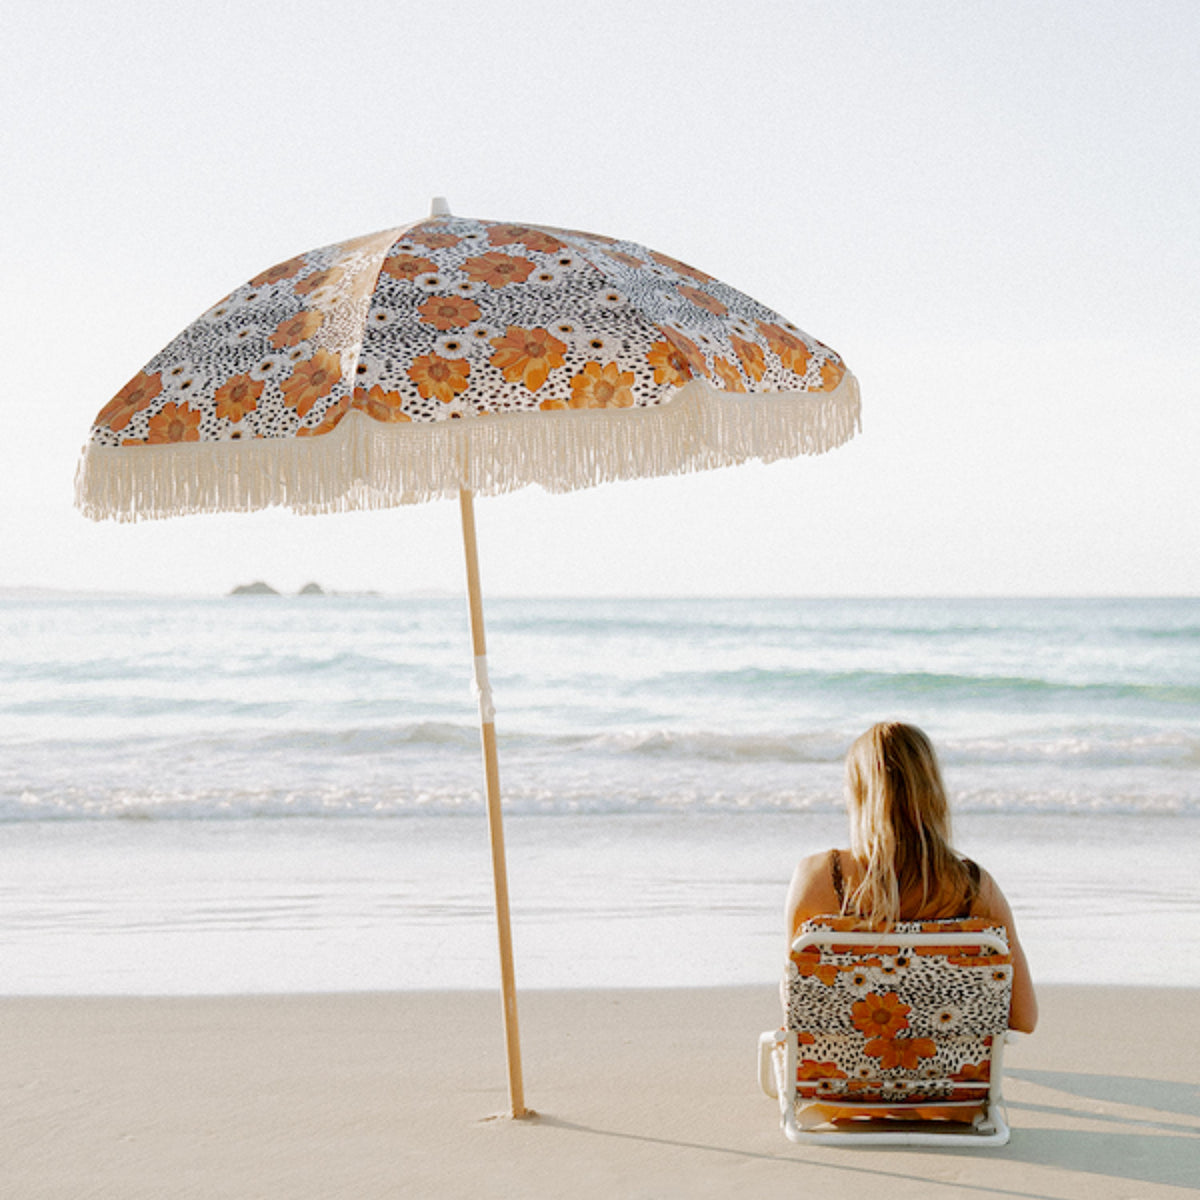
(1023, 1013)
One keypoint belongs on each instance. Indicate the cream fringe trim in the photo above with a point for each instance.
(366, 464)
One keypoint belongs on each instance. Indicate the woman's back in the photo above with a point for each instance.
(946, 898)
(814, 893)
(901, 865)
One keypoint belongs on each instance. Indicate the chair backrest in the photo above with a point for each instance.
(908, 1015)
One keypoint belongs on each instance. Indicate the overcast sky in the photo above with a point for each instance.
(989, 209)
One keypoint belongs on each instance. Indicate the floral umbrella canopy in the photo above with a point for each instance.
(457, 356)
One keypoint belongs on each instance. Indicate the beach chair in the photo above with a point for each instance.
(892, 1037)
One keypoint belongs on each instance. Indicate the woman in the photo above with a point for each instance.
(900, 866)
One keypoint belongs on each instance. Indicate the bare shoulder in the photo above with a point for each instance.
(812, 875)
(811, 893)
(813, 866)
(991, 901)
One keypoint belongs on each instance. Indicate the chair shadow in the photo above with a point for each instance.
(1141, 1149)
(1136, 1157)
(1156, 1094)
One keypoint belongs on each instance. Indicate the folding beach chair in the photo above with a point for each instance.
(892, 1036)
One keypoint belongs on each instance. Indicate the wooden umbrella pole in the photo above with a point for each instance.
(491, 769)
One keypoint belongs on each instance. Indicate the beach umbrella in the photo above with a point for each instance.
(452, 357)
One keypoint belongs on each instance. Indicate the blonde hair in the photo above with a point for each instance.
(900, 826)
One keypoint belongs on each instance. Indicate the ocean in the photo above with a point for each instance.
(278, 794)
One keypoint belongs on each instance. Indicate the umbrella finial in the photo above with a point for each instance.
(438, 207)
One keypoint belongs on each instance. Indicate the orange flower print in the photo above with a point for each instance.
(280, 271)
(538, 239)
(750, 355)
(900, 1052)
(175, 423)
(690, 351)
(439, 378)
(495, 268)
(811, 1069)
(970, 960)
(527, 355)
(333, 416)
(669, 363)
(238, 396)
(680, 268)
(731, 378)
(297, 329)
(704, 300)
(552, 404)
(880, 1016)
(979, 1072)
(810, 964)
(312, 380)
(132, 398)
(627, 260)
(433, 240)
(449, 312)
(387, 407)
(792, 350)
(604, 386)
(407, 266)
(319, 279)
(831, 374)
(966, 925)
(532, 239)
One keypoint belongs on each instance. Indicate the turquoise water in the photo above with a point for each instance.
(325, 706)
(274, 794)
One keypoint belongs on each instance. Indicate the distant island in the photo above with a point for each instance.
(259, 588)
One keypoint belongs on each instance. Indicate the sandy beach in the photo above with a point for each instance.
(639, 1093)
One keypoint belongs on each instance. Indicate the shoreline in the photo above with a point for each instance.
(641, 1092)
(604, 901)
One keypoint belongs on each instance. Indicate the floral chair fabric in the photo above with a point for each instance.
(881, 1023)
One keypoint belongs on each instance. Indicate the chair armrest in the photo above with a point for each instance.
(766, 1068)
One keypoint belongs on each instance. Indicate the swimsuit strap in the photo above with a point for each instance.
(835, 869)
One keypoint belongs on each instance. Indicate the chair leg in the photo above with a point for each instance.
(991, 1125)
(783, 1060)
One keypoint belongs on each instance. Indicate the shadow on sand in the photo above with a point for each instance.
(1146, 1147)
